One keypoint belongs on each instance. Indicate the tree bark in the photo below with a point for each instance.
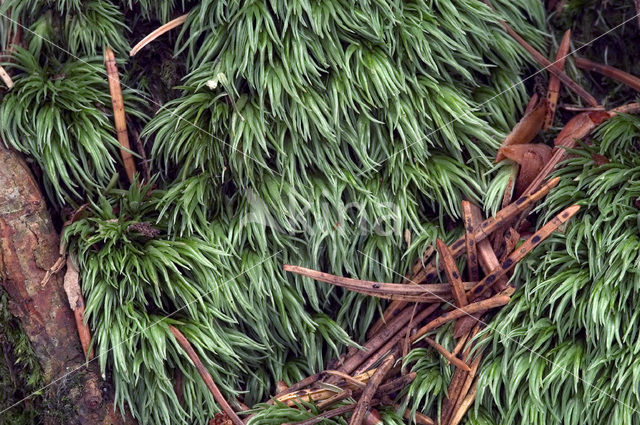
(29, 246)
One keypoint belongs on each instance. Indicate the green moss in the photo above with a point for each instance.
(20, 373)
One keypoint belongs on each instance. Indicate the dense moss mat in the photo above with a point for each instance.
(20, 373)
(335, 135)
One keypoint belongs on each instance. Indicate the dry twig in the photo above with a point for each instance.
(364, 404)
(118, 113)
(158, 32)
(609, 71)
(554, 82)
(206, 377)
(6, 77)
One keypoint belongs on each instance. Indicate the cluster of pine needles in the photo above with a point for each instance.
(341, 136)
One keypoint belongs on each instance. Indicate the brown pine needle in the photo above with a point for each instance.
(419, 418)
(367, 360)
(364, 404)
(447, 355)
(158, 32)
(464, 405)
(206, 377)
(470, 241)
(554, 82)
(318, 394)
(406, 292)
(546, 63)
(469, 309)
(6, 77)
(451, 270)
(489, 225)
(76, 302)
(335, 399)
(348, 378)
(118, 113)
(523, 250)
(609, 71)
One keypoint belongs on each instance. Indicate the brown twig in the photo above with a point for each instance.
(554, 82)
(481, 232)
(609, 71)
(396, 306)
(76, 302)
(469, 309)
(451, 270)
(206, 377)
(418, 417)
(158, 32)
(546, 63)
(364, 404)
(348, 378)
(464, 405)
(310, 380)
(447, 355)
(6, 78)
(490, 225)
(334, 399)
(523, 250)
(406, 292)
(321, 393)
(366, 359)
(144, 162)
(118, 113)
(470, 241)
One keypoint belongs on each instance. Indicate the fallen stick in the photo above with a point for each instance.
(609, 71)
(451, 270)
(523, 250)
(407, 292)
(480, 306)
(396, 306)
(317, 394)
(457, 248)
(118, 113)
(418, 417)
(464, 405)
(6, 78)
(464, 392)
(335, 399)
(546, 63)
(364, 404)
(310, 380)
(455, 390)
(76, 302)
(206, 377)
(554, 82)
(470, 241)
(490, 225)
(447, 355)
(158, 32)
(488, 262)
(347, 378)
(366, 360)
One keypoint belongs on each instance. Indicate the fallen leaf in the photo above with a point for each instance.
(526, 129)
(532, 159)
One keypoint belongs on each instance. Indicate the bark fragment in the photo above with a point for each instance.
(29, 247)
